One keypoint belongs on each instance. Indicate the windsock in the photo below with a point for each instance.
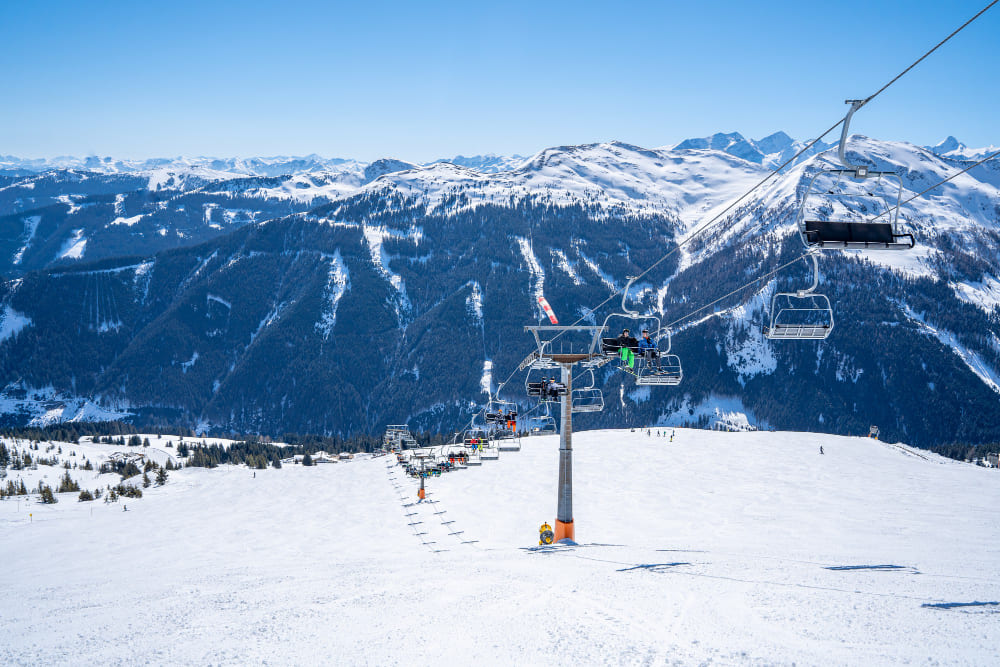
(548, 309)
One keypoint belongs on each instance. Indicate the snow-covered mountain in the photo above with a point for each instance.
(488, 164)
(771, 151)
(255, 166)
(438, 266)
(956, 150)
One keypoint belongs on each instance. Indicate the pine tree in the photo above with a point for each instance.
(67, 484)
(307, 460)
(161, 476)
(145, 481)
(46, 494)
(85, 496)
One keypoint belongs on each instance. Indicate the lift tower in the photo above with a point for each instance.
(564, 347)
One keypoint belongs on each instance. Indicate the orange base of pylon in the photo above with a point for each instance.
(564, 530)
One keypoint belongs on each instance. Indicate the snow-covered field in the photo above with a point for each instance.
(725, 548)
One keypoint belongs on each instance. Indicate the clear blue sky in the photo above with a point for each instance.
(422, 80)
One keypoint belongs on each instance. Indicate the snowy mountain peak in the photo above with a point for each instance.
(488, 164)
(954, 149)
(775, 143)
(386, 166)
(948, 145)
(770, 151)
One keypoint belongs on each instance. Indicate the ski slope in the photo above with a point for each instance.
(723, 548)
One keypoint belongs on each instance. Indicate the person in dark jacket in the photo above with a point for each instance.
(626, 339)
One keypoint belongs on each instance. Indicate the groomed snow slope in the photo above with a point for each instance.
(747, 548)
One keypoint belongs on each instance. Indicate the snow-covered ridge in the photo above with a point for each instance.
(613, 177)
(771, 151)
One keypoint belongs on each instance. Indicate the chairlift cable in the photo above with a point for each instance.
(921, 58)
(940, 183)
(778, 169)
(775, 172)
(738, 289)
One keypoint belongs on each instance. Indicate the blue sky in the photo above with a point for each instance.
(423, 80)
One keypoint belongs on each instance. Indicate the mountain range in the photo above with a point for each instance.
(342, 296)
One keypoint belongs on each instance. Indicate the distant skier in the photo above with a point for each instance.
(821, 449)
(672, 436)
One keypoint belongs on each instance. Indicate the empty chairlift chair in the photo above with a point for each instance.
(801, 315)
(588, 398)
(544, 424)
(853, 207)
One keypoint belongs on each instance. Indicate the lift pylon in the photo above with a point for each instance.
(578, 344)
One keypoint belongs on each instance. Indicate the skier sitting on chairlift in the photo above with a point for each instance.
(626, 339)
(647, 348)
(556, 388)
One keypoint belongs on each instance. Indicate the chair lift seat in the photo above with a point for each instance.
(535, 389)
(799, 331)
(871, 235)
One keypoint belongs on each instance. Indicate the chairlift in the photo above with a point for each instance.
(499, 414)
(546, 424)
(475, 437)
(587, 398)
(663, 369)
(512, 444)
(853, 207)
(801, 315)
(538, 384)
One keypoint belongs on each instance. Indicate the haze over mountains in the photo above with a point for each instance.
(336, 296)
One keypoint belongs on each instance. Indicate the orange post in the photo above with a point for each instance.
(564, 530)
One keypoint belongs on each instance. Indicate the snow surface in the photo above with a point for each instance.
(534, 268)
(46, 406)
(75, 246)
(128, 222)
(338, 282)
(30, 227)
(13, 322)
(474, 302)
(721, 548)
